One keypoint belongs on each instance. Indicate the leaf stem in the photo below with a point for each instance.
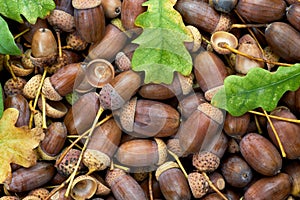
(59, 45)
(276, 135)
(11, 71)
(178, 162)
(22, 33)
(100, 111)
(37, 96)
(213, 186)
(223, 45)
(276, 117)
(150, 186)
(44, 111)
(248, 25)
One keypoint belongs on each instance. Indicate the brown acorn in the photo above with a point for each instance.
(130, 10)
(236, 171)
(142, 152)
(261, 154)
(147, 118)
(12, 86)
(293, 170)
(293, 15)
(81, 115)
(26, 179)
(189, 104)
(220, 146)
(19, 102)
(172, 182)
(203, 16)
(204, 124)
(112, 8)
(288, 132)
(102, 146)
(261, 11)
(236, 126)
(217, 180)
(276, 187)
(284, 40)
(123, 186)
(89, 19)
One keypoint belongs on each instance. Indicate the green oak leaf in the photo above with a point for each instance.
(7, 44)
(1, 101)
(30, 9)
(161, 49)
(259, 88)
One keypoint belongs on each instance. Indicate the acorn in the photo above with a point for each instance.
(293, 15)
(205, 161)
(261, 11)
(147, 118)
(204, 124)
(80, 116)
(236, 171)
(203, 16)
(288, 132)
(210, 72)
(115, 94)
(130, 10)
(224, 5)
(40, 23)
(155, 189)
(284, 41)
(26, 179)
(293, 170)
(172, 182)
(89, 19)
(220, 146)
(102, 146)
(12, 86)
(261, 154)
(276, 187)
(236, 126)
(189, 104)
(248, 46)
(43, 48)
(113, 41)
(112, 8)
(19, 102)
(62, 17)
(292, 100)
(233, 146)
(198, 184)
(53, 142)
(217, 180)
(142, 152)
(123, 186)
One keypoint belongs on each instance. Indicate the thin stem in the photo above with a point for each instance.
(58, 188)
(276, 135)
(248, 25)
(276, 117)
(178, 162)
(223, 45)
(126, 169)
(213, 186)
(80, 137)
(11, 71)
(59, 44)
(100, 111)
(37, 96)
(150, 186)
(22, 33)
(44, 111)
(257, 124)
(71, 141)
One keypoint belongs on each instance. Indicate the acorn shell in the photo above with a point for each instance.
(84, 187)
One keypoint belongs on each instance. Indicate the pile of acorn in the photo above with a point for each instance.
(110, 136)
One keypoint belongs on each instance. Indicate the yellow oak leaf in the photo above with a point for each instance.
(16, 144)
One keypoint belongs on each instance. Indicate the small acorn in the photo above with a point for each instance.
(260, 154)
(142, 152)
(172, 182)
(236, 171)
(198, 184)
(276, 187)
(123, 186)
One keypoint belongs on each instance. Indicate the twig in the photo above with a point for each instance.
(179, 163)
(276, 117)
(150, 186)
(213, 186)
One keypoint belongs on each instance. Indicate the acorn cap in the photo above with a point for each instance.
(122, 61)
(211, 111)
(68, 163)
(112, 175)
(54, 109)
(12, 86)
(127, 114)
(61, 20)
(220, 37)
(85, 4)
(205, 161)
(38, 119)
(197, 37)
(31, 197)
(162, 151)
(84, 187)
(109, 97)
(186, 83)
(224, 23)
(174, 146)
(19, 70)
(31, 87)
(95, 160)
(43, 155)
(49, 91)
(164, 167)
(198, 184)
(76, 42)
(140, 173)
(209, 94)
(39, 192)
(9, 198)
(26, 62)
(43, 61)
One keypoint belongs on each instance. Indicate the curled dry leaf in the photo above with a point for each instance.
(16, 144)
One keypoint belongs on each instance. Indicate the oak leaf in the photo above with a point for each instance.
(16, 144)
